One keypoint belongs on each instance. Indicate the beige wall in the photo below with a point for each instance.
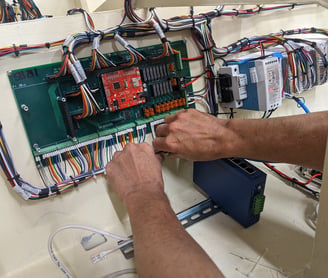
(26, 225)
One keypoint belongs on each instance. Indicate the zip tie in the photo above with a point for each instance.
(14, 178)
(74, 182)
(16, 50)
(89, 36)
(208, 19)
(237, 12)
(167, 26)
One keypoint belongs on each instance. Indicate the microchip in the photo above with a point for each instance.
(116, 85)
(135, 82)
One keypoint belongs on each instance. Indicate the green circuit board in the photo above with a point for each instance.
(128, 95)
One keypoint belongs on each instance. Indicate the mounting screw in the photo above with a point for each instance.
(36, 147)
(24, 107)
(62, 99)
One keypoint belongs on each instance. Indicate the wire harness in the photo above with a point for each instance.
(65, 169)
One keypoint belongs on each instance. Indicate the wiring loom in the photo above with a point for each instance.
(67, 168)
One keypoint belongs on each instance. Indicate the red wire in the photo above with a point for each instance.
(193, 58)
(192, 81)
(290, 178)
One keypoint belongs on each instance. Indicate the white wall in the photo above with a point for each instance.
(26, 225)
(58, 7)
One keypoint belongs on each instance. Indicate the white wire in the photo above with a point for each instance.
(101, 255)
(199, 99)
(57, 262)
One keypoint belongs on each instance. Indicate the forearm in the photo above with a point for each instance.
(162, 247)
(295, 139)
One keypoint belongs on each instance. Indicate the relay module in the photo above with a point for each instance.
(128, 97)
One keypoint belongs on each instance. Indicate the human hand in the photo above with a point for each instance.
(193, 135)
(135, 169)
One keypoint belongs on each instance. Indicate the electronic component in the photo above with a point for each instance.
(264, 82)
(126, 96)
(235, 185)
(123, 88)
(233, 86)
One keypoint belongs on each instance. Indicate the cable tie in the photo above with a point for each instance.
(218, 12)
(244, 42)
(75, 184)
(44, 193)
(89, 36)
(292, 6)
(237, 12)
(14, 178)
(208, 19)
(47, 45)
(208, 49)
(313, 30)
(55, 189)
(191, 11)
(260, 8)
(167, 25)
(16, 50)
(193, 21)
(101, 33)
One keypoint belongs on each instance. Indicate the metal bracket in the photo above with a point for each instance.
(187, 218)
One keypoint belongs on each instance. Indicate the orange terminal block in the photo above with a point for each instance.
(157, 109)
(171, 103)
(151, 111)
(162, 107)
(146, 113)
(171, 67)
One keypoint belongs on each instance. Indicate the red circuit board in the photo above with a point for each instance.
(123, 88)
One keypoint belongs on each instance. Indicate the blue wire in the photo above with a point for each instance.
(302, 104)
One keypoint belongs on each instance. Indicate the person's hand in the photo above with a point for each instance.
(135, 169)
(193, 135)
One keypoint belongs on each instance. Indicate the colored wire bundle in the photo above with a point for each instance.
(29, 10)
(24, 48)
(65, 169)
(7, 13)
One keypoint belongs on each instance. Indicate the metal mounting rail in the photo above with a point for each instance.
(187, 218)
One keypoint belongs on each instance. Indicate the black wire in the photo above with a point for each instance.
(295, 182)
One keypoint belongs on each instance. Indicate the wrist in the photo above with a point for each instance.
(234, 142)
(145, 198)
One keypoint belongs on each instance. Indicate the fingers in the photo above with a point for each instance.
(160, 144)
(171, 118)
(162, 130)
